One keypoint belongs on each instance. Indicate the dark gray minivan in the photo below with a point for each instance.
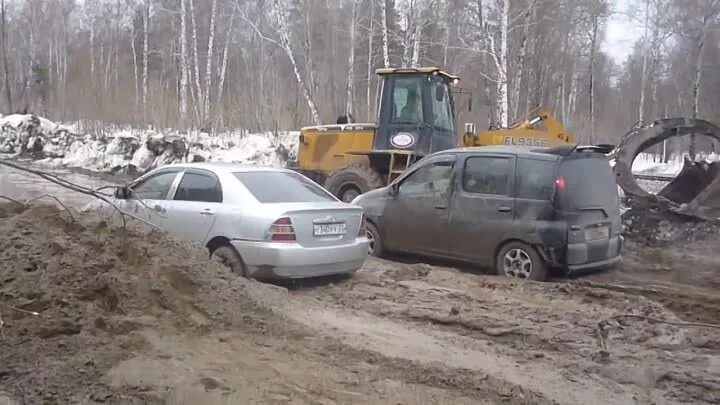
(519, 210)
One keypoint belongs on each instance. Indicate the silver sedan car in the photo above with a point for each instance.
(262, 222)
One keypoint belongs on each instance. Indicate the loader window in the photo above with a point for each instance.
(441, 110)
(407, 100)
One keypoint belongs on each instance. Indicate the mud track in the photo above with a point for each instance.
(544, 337)
(135, 317)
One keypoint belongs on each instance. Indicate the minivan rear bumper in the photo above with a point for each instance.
(579, 256)
(578, 268)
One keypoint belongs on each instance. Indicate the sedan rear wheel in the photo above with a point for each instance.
(519, 260)
(228, 256)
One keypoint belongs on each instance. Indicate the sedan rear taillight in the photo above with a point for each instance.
(282, 230)
(363, 226)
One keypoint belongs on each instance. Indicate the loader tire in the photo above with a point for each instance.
(349, 182)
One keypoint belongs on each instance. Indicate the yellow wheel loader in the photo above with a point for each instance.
(415, 117)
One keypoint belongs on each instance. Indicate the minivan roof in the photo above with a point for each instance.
(520, 151)
(544, 153)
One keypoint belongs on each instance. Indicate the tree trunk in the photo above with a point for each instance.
(135, 66)
(196, 63)
(6, 68)
(416, 50)
(146, 51)
(208, 67)
(286, 44)
(371, 33)
(501, 62)
(644, 71)
(593, 46)
(183, 64)
(92, 49)
(351, 62)
(223, 69)
(700, 48)
(517, 82)
(386, 47)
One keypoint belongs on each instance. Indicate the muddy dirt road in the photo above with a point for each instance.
(143, 319)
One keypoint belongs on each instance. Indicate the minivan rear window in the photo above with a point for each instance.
(589, 183)
(282, 187)
(535, 179)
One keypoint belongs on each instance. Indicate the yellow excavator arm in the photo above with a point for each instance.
(538, 128)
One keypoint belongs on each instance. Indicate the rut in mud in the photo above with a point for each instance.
(568, 341)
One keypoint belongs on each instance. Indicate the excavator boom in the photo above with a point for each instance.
(538, 128)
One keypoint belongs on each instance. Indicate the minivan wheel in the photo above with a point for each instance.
(376, 245)
(519, 260)
(228, 256)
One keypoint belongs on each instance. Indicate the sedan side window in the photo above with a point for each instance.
(199, 187)
(155, 187)
(487, 175)
(433, 178)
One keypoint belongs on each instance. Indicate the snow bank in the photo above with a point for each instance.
(136, 150)
(647, 163)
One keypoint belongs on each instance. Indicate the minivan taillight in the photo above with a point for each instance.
(282, 230)
(363, 226)
(560, 183)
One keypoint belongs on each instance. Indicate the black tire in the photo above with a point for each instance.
(519, 256)
(351, 181)
(376, 247)
(228, 256)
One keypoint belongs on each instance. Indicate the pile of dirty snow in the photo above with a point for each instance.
(78, 298)
(136, 151)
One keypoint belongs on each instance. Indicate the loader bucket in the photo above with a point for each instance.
(687, 185)
(707, 202)
(695, 191)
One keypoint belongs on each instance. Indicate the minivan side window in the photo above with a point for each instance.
(535, 179)
(433, 178)
(155, 187)
(199, 187)
(487, 175)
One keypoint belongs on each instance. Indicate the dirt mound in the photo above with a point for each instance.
(96, 315)
(94, 289)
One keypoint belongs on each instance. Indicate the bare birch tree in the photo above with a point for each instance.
(183, 63)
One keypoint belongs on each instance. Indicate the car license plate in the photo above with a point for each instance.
(597, 232)
(329, 229)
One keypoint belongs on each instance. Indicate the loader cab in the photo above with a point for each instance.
(415, 111)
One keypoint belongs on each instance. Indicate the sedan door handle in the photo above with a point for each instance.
(504, 209)
(207, 212)
(158, 208)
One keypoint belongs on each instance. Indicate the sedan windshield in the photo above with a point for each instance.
(282, 187)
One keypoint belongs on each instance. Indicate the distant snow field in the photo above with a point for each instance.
(67, 145)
